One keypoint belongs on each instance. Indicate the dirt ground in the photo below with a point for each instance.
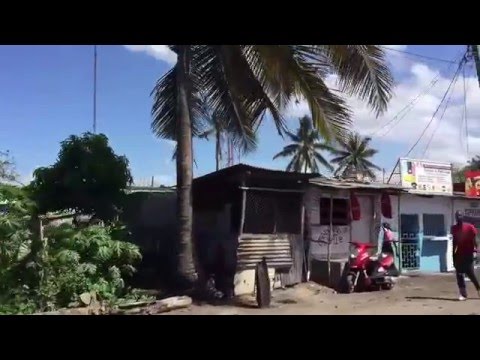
(416, 295)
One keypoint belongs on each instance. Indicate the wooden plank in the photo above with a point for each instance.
(242, 216)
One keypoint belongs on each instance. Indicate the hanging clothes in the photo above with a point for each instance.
(355, 207)
(386, 206)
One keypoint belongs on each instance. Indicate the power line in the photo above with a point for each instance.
(444, 110)
(438, 108)
(418, 55)
(411, 104)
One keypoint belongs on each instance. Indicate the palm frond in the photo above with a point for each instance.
(323, 161)
(164, 115)
(288, 150)
(294, 76)
(363, 71)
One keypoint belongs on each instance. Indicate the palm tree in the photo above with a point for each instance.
(213, 125)
(305, 150)
(353, 156)
(242, 83)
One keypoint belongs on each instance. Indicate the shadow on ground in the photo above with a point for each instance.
(430, 298)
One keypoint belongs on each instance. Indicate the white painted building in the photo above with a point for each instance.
(424, 221)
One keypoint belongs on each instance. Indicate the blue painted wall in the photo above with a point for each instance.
(433, 255)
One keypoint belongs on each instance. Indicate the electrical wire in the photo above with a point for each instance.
(444, 111)
(438, 108)
(411, 105)
(418, 55)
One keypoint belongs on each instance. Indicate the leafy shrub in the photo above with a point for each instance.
(70, 261)
(85, 260)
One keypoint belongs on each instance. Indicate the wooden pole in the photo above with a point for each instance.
(302, 232)
(330, 240)
(399, 235)
(476, 56)
(244, 206)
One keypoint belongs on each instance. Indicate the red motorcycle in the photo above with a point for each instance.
(365, 272)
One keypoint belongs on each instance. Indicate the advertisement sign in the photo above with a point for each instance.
(472, 183)
(425, 176)
(472, 216)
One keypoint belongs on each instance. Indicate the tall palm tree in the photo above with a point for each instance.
(305, 150)
(214, 125)
(243, 82)
(353, 156)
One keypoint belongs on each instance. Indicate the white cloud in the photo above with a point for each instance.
(160, 52)
(448, 141)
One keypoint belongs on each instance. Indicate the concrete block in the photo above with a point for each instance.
(319, 272)
(245, 281)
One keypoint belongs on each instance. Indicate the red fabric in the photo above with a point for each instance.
(355, 208)
(386, 206)
(464, 239)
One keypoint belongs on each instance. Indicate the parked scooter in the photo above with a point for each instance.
(366, 272)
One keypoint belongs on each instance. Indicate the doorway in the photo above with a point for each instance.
(410, 241)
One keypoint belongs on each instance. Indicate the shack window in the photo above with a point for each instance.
(340, 214)
(434, 225)
(270, 213)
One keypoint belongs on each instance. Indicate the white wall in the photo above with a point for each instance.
(364, 230)
(413, 204)
(339, 247)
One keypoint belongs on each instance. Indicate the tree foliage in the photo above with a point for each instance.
(459, 171)
(7, 167)
(241, 83)
(305, 151)
(40, 276)
(88, 177)
(353, 156)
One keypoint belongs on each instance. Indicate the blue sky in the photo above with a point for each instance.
(46, 95)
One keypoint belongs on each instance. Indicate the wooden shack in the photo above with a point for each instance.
(244, 214)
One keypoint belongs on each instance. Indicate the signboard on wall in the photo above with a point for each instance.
(472, 183)
(425, 176)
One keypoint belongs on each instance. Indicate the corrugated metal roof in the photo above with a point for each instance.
(238, 168)
(348, 184)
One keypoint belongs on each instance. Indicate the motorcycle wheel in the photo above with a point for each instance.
(350, 283)
(387, 286)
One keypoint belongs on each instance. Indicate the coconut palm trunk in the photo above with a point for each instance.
(184, 160)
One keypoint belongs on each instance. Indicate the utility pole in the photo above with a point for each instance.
(94, 89)
(475, 50)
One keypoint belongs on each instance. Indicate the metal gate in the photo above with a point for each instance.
(410, 242)
(410, 256)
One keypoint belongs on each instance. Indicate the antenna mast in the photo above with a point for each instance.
(94, 89)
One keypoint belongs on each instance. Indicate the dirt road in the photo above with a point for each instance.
(429, 295)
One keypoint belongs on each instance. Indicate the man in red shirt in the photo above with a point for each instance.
(464, 253)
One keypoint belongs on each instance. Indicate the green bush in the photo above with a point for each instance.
(43, 276)
(84, 260)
